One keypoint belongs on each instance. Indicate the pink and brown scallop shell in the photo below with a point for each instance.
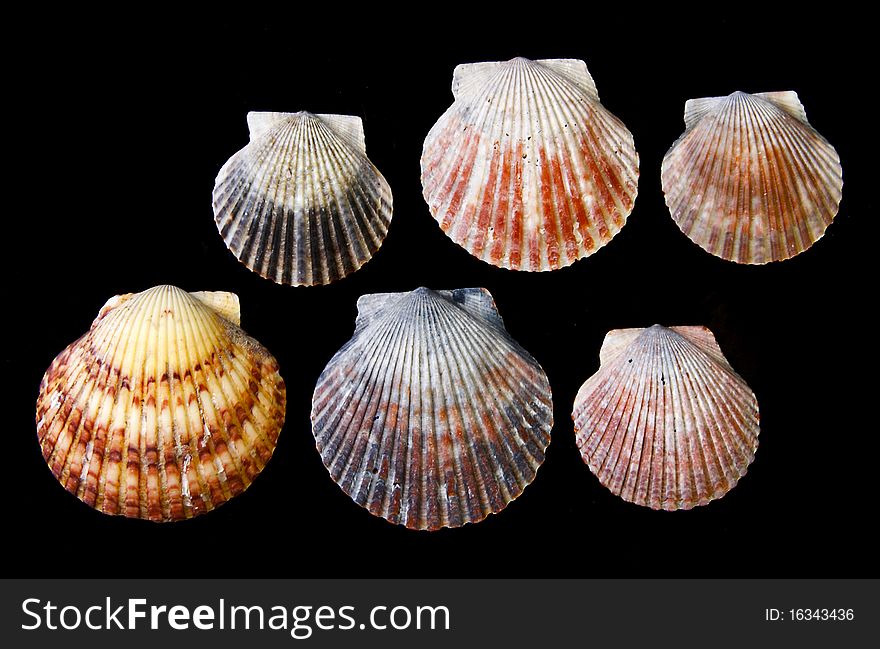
(527, 170)
(164, 409)
(666, 423)
(432, 415)
(302, 204)
(750, 180)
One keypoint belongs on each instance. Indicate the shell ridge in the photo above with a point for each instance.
(401, 391)
(375, 382)
(476, 237)
(491, 114)
(594, 123)
(711, 407)
(706, 421)
(461, 366)
(209, 478)
(554, 237)
(609, 458)
(470, 481)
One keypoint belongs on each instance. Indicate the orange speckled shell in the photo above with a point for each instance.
(164, 409)
(750, 180)
(432, 415)
(666, 423)
(527, 170)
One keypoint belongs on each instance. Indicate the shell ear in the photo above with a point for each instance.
(472, 75)
(226, 304)
(575, 71)
(694, 109)
(788, 101)
(350, 127)
(113, 302)
(615, 342)
(261, 121)
(370, 306)
(479, 303)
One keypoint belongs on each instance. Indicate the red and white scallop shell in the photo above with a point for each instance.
(432, 415)
(750, 180)
(666, 423)
(302, 204)
(527, 170)
(164, 409)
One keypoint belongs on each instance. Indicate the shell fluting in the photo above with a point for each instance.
(164, 409)
(432, 415)
(750, 180)
(302, 204)
(527, 170)
(665, 422)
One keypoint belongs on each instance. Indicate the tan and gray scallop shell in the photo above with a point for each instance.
(302, 204)
(432, 415)
(164, 409)
(750, 180)
(526, 169)
(666, 423)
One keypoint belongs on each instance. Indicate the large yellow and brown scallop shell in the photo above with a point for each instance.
(527, 170)
(302, 204)
(432, 415)
(164, 409)
(666, 423)
(750, 180)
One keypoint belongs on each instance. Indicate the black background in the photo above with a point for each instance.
(125, 128)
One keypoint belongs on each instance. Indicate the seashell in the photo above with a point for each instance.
(666, 423)
(432, 415)
(750, 181)
(164, 409)
(527, 170)
(301, 204)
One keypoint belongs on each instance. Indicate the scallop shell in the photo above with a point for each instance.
(527, 170)
(750, 181)
(432, 415)
(164, 409)
(666, 422)
(301, 204)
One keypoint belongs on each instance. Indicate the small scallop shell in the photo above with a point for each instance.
(750, 181)
(432, 415)
(164, 409)
(666, 422)
(301, 204)
(527, 170)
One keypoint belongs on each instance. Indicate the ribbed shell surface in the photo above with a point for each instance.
(431, 415)
(750, 180)
(526, 170)
(301, 204)
(164, 409)
(666, 423)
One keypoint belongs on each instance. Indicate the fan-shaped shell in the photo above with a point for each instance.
(431, 415)
(301, 204)
(164, 409)
(750, 181)
(526, 170)
(666, 422)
